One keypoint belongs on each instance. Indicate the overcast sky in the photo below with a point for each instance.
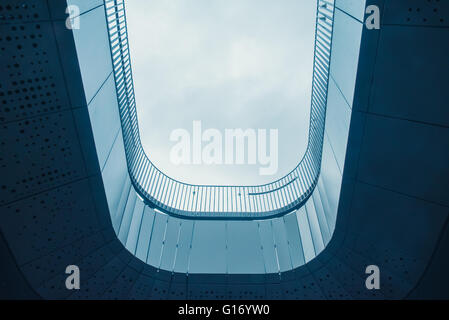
(229, 63)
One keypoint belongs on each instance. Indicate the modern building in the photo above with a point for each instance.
(77, 187)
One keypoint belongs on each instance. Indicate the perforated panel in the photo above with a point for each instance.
(23, 11)
(353, 280)
(44, 269)
(160, 290)
(122, 284)
(96, 286)
(417, 12)
(142, 288)
(248, 292)
(206, 291)
(38, 153)
(39, 224)
(32, 83)
(38, 141)
(91, 263)
(304, 288)
(178, 290)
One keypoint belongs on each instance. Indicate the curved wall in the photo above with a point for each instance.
(202, 246)
(220, 202)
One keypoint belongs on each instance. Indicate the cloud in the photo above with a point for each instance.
(231, 64)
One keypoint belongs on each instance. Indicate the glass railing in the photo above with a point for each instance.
(212, 201)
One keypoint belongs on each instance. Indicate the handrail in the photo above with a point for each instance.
(212, 201)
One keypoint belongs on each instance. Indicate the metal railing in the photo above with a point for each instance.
(220, 202)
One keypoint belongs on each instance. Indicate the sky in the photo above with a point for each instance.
(229, 64)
